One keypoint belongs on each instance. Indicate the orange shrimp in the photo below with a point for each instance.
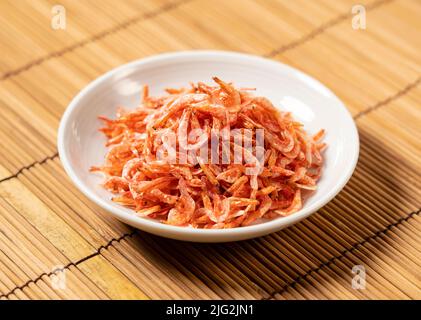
(294, 207)
(184, 208)
(231, 98)
(268, 182)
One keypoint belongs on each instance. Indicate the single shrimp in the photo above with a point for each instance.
(184, 209)
(130, 168)
(116, 184)
(230, 175)
(230, 98)
(296, 205)
(164, 197)
(177, 105)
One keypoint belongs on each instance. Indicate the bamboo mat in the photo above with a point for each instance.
(49, 229)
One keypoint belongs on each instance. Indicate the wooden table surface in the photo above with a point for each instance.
(56, 244)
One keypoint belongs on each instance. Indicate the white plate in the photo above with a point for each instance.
(81, 145)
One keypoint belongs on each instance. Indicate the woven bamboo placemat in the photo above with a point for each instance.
(49, 229)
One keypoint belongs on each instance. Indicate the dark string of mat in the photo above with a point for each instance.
(168, 7)
(67, 266)
(384, 102)
(271, 295)
(342, 254)
(145, 16)
(29, 166)
(322, 29)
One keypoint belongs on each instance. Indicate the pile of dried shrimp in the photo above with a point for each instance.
(207, 191)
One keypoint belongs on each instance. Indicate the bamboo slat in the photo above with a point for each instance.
(370, 68)
(27, 25)
(110, 280)
(46, 223)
